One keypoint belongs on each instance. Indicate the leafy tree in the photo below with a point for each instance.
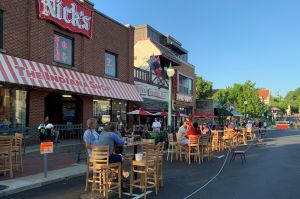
(203, 88)
(238, 94)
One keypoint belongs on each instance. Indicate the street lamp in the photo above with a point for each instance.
(245, 104)
(170, 73)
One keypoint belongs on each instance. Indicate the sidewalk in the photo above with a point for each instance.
(20, 184)
(61, 164)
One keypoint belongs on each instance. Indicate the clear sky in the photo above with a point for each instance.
(229, 41)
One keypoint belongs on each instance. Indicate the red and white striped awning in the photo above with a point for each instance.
(20, 71)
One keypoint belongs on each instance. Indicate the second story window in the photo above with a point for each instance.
(110, 64)
(185, 85)
(63, 49)
(1, 29)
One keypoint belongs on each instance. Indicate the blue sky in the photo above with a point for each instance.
(229, 41)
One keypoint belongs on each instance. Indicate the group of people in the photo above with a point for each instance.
(189, 128)
(109, 136)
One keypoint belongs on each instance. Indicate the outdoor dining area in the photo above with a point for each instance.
(145, 158)
(146, 169)
(11, 154)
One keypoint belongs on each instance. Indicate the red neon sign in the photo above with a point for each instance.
(68, 14)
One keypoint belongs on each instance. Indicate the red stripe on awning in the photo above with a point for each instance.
(45, 76)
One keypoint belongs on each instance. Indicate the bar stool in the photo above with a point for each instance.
(89, 167)
(180, 150)
(171, 147)
(194, 148)
(5, 155)
(103, 172)
(147, 169)
(17, 151)
(159, 155)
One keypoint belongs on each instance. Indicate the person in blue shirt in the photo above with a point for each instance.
(90, 136)
(109, 137)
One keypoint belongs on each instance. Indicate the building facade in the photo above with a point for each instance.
(151, 44)
(66, 60)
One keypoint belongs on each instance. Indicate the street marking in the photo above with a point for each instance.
(211, 179)
(142, 195)
(216, 174)
(128, 194)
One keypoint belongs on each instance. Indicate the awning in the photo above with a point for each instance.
(20, 71)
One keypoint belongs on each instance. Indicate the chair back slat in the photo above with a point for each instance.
(18, 139)
(170, 138)
(5, 145)
(100, 156)
(193, 139)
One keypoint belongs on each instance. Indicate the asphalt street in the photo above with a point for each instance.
(272, 171)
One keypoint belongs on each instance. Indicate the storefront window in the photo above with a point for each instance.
(63, 49)
(12, 108)
(1, 29)
(110, 64)
(119, 110)
(102, 110)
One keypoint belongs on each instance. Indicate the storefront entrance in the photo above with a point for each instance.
(63, 108)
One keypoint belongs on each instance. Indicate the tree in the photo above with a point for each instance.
(238, 94)
(203, 88)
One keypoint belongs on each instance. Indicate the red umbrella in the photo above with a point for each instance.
(210, 116)
(198, 115)
(139, 112)
(161, 113)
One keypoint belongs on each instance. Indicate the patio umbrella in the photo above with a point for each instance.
(161, 113)
(198, 115)
(139, 112)
(210, 116)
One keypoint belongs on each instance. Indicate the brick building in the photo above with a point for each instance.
(66, 67)
(150, 44)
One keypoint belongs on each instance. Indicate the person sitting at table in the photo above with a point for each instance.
(205, 130)
(90, 136)
(194, 130)
(181, 132)
(110, 137)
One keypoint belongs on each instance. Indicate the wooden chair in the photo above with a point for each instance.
(180, 150)
(147, 168)
(250, 134)
(242, 136)
(103, 172)
(159, 159)
(17, 151)
(216, 142)
(6, 155)
(193, 148)
(205, 147)
(89, 167)
(171, 147)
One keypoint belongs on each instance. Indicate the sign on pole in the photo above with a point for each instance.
(46, 147)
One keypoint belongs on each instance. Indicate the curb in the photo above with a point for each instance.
(21, 184)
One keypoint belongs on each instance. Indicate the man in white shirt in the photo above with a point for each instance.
(156, 126)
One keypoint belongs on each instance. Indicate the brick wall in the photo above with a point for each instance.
(36, 106)
(26, 36)
(188, 71)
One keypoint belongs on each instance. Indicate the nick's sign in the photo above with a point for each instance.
(68, 14)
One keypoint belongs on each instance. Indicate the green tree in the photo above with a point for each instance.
(203, 88)
(238, 94)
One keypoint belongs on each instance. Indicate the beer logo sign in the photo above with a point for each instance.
(68, 14)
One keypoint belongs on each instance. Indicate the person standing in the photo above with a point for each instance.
(156, 126)
(265, 126)
(55, 133)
